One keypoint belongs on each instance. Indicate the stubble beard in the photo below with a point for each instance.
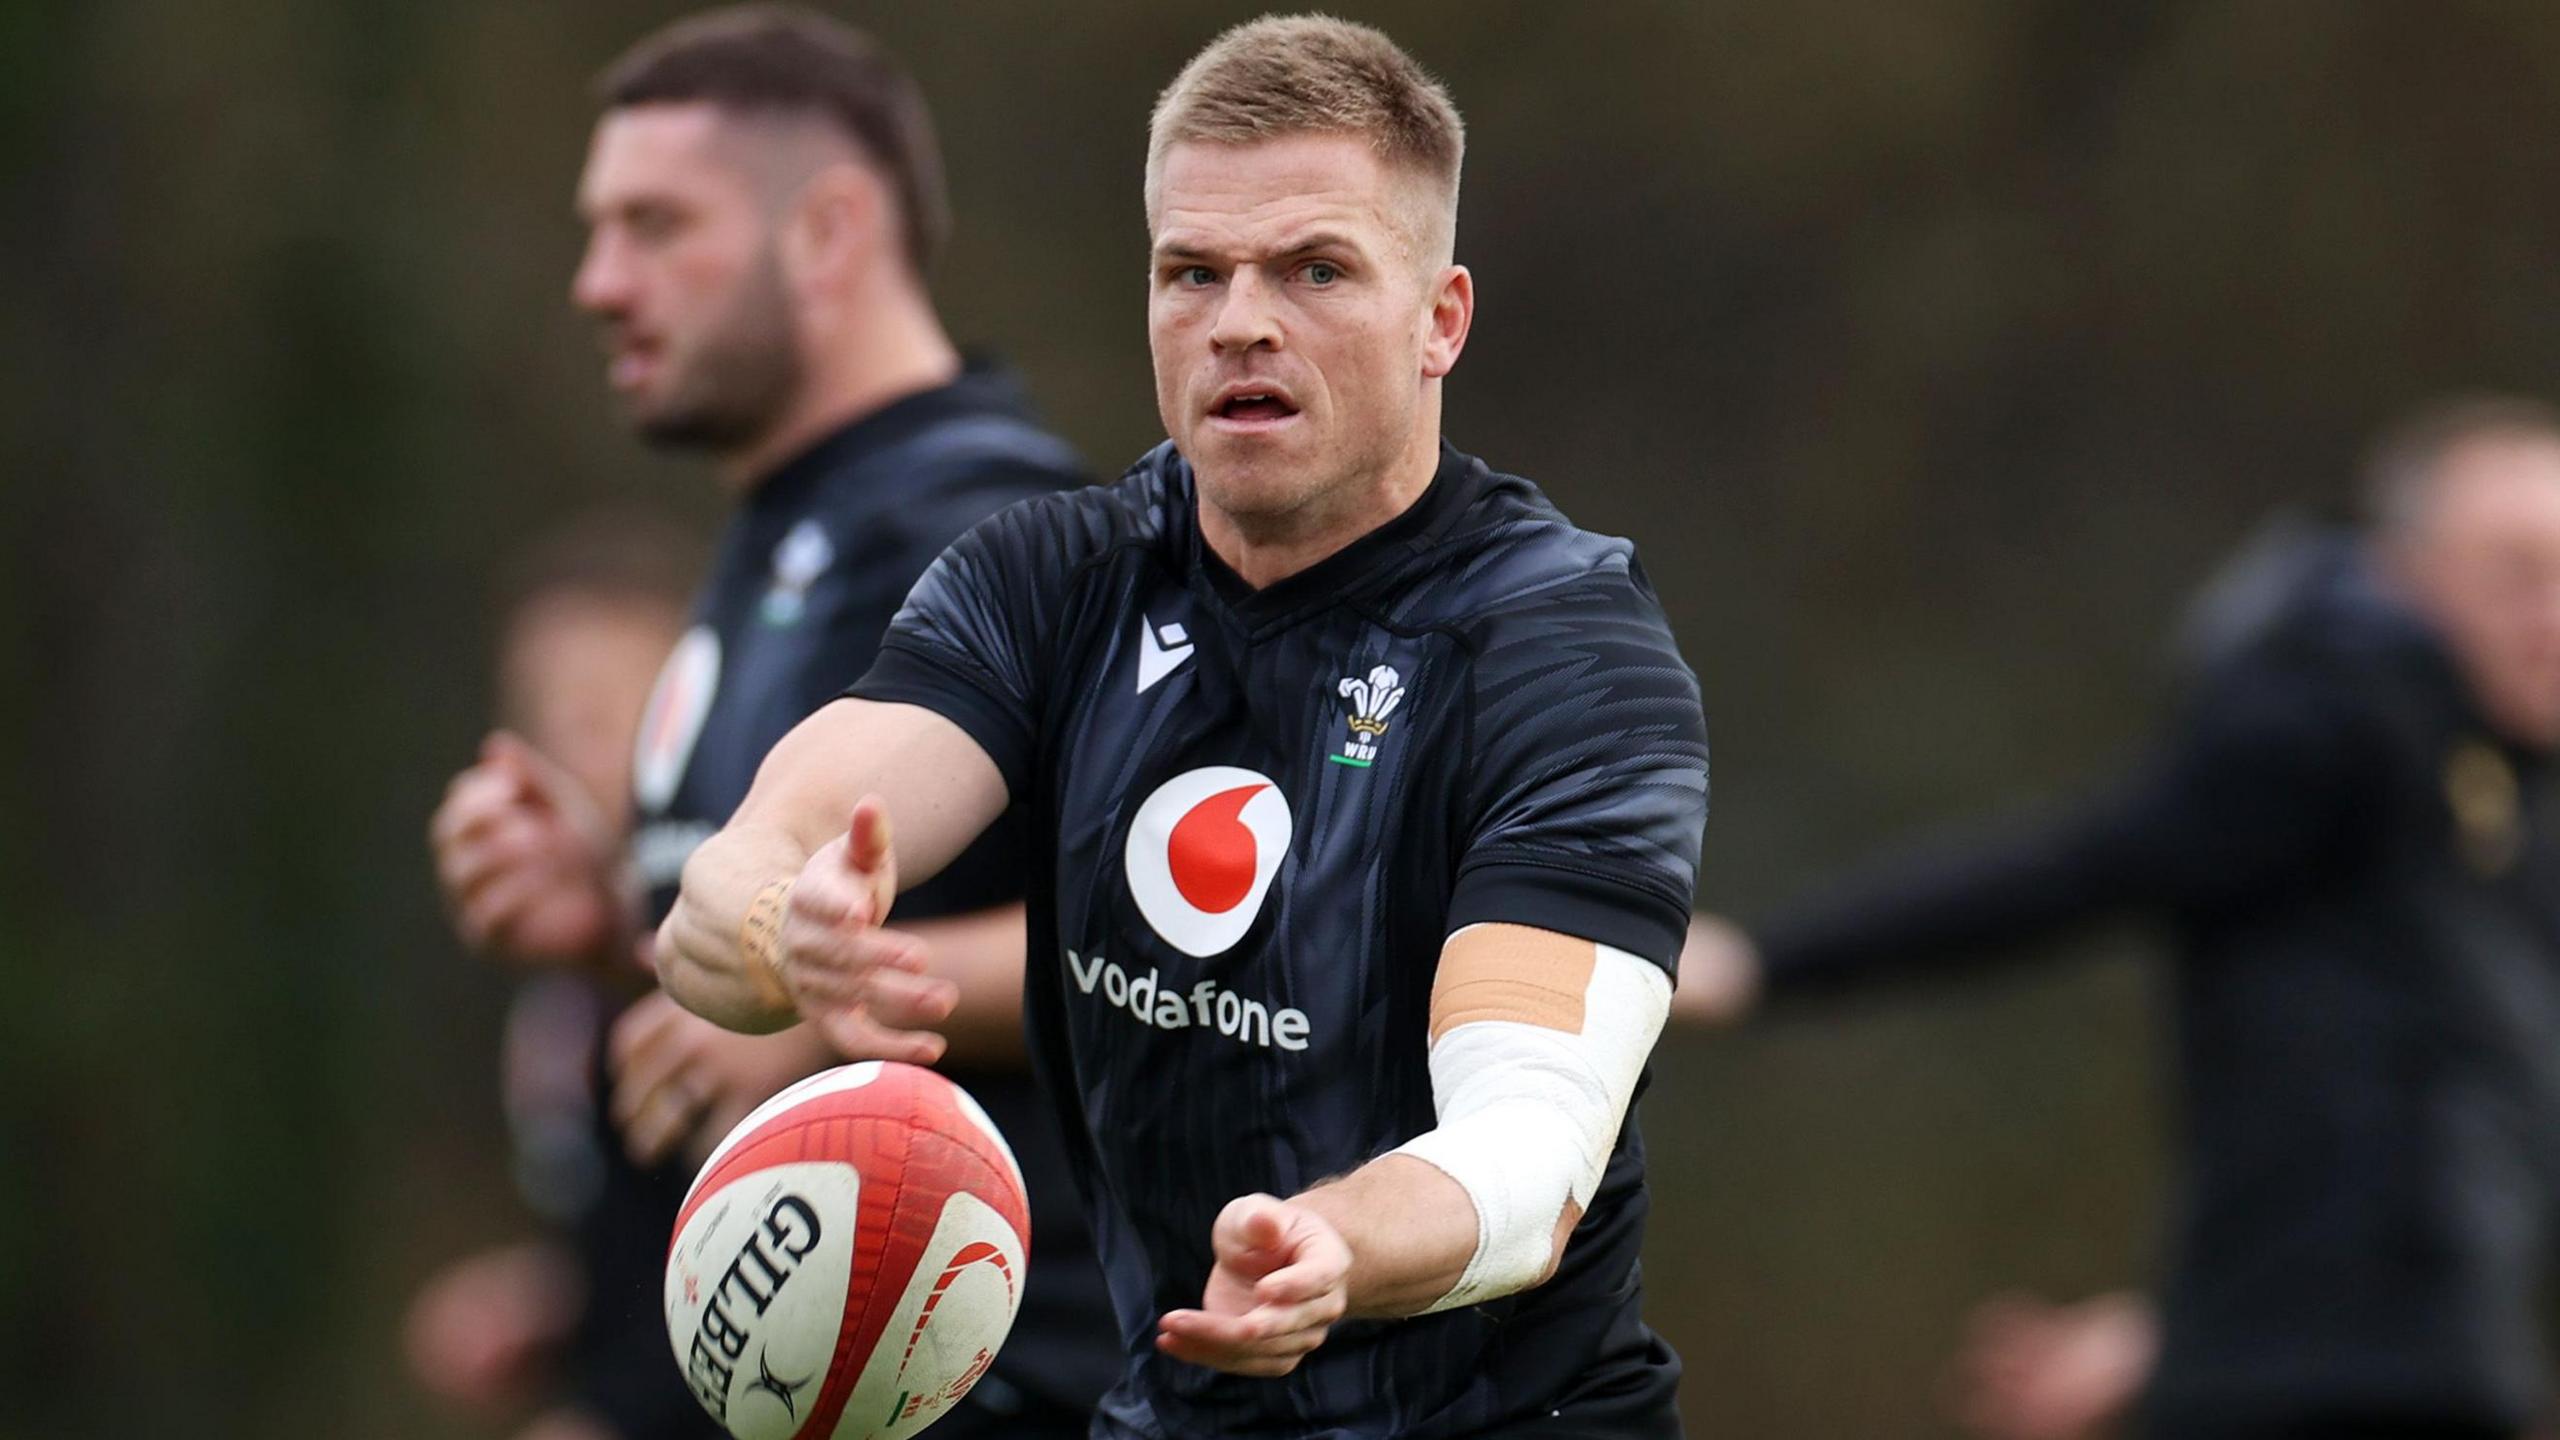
(1269, 505)
(741, 378)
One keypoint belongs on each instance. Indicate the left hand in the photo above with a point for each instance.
(681, 1082)
(1282, 1279)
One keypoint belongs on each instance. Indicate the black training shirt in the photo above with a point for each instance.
(808, 573)
(1256, 815)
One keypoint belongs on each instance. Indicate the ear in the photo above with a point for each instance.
(1445, 324)
(833, 228)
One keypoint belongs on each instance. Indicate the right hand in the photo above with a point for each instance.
(1281, 1281)
(863, 986)
(484, 1330)
(1719, 974)
(526, 861)
(2037, 1371)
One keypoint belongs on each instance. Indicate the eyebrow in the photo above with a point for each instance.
(1322, 240)
(592, 209)
(1179, 249)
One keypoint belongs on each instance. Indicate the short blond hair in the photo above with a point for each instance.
(1286, 75)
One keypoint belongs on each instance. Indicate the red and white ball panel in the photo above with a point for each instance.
(849, 1260)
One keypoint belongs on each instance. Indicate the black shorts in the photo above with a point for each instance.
(1638, 1403)
(994, 1410)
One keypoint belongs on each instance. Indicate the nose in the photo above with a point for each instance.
(602, 285)
(1247, 318)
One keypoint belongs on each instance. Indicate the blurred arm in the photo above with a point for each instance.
(2261, 786)
(981, 955)
(924, 771)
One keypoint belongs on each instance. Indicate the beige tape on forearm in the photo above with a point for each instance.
(760, 944)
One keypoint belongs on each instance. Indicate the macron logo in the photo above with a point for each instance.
(1160, 652)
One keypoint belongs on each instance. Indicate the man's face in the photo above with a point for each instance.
(2483, 563)
(574, 675)
(1288, 314)
(682, 269)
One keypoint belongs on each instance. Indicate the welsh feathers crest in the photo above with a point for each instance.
(1372, 701)
(798, 562)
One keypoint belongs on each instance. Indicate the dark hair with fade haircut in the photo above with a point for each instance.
(2403, 460)
(784, 60)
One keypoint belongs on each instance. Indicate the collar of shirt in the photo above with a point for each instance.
(1366, 563)
(983, 387)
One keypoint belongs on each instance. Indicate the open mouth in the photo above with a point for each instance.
(1249, 406)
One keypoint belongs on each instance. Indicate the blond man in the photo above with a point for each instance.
(1366, 794)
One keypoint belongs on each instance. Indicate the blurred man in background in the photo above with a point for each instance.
(2352, 833)
(589, 617)
(764, 199)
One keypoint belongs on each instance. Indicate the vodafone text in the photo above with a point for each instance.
(1247, 1022)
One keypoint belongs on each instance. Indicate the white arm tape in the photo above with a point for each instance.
(1528, 1116)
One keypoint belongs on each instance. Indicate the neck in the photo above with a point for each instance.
(1263, 551)
(2402, 574)
(898, 349)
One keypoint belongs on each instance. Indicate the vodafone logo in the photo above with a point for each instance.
(1202, 853)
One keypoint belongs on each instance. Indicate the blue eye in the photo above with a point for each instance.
(1195, 275)
(1322, 272)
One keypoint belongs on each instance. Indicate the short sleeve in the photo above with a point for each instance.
(971, 642)
(1589, 772)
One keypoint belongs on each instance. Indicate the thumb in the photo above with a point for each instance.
(867, 837)
(1254, 1226)
(868, 852)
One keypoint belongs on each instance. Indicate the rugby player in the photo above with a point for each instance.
(2351, 830)
(589, 614)
(764, 199)
(1366, 796)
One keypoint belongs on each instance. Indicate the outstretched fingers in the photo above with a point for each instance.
(854, 1034)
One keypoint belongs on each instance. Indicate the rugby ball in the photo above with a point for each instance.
(849, 1260)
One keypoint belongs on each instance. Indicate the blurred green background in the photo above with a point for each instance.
(1932, 351)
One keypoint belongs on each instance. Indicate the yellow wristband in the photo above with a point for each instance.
(760, 942)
